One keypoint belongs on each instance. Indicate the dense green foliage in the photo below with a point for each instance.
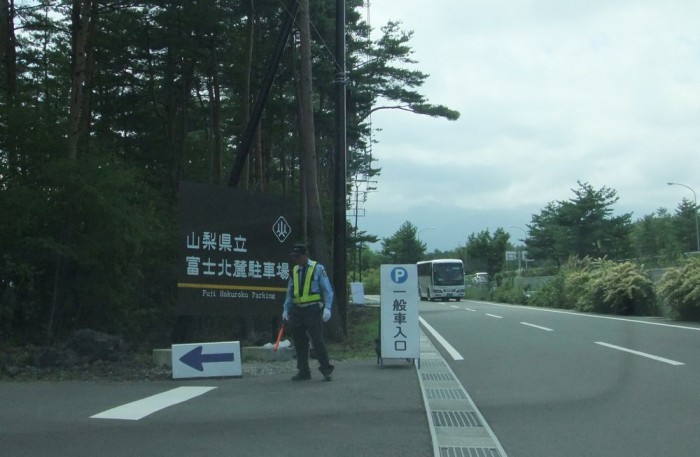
(363, 329)
(486, 251)
(106, 106)
(562, 234)
(91, 246)
(600, 286)
(404, 245)
(582, 226)
(585, 225)
(680, 289)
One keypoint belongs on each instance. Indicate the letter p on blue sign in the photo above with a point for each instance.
(399, 275)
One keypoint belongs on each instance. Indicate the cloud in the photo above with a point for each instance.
(550, 92)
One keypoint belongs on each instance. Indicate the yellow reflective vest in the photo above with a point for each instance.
(303, 296)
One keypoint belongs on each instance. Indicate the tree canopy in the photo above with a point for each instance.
(106, 106)
(486, 251)
(583, 226)
(404, 245)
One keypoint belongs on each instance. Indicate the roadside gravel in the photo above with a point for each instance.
(131, 368)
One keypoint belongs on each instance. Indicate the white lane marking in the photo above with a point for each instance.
(141, 408)
(494, 315)
(469, 309)
(448, 347)
(547, 310)
(538, 326)
(455, 306)
(643, 354)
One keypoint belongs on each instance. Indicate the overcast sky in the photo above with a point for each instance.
(550, 92)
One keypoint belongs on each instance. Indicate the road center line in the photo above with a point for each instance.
(643, 354)
(538, 326)
(448, 347)
(455, 306)
(494, 315)
(141, 408)
(469, 309)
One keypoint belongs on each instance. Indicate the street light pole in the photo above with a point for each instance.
(695, 199)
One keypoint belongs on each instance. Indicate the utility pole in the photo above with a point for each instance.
(360, 197)
(340, 192)
(356, 265)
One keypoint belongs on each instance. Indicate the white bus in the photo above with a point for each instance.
(441, 279)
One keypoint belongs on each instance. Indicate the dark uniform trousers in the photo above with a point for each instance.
(309, 319)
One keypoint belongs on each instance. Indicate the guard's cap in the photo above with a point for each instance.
(298, 250)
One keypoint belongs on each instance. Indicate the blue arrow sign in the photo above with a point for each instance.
(195, 358)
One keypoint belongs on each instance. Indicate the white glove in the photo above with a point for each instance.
(285, 315)
(326, 314)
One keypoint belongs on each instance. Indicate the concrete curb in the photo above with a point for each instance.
(163, 357)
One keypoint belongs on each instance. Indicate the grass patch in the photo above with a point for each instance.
(363, 329)
(478, 292)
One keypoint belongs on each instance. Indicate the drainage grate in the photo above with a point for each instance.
(433, 363)
(437, 377)
(469, 452)
(456, 419)
(445, 394)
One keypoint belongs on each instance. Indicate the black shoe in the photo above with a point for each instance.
(302, 376)
(326, 372)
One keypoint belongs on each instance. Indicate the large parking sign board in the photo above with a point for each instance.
(234, 251)
(400, 331)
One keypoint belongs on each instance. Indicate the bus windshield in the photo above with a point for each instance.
(448, 274)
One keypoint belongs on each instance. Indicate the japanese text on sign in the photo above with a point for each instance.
(212, 259)
(399, 312)
(399, 320)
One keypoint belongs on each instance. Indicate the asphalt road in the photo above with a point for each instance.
(365, 411)
(548, 384)
(548, 387)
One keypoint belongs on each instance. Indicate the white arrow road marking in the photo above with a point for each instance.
(448, 347)
(538, 326)
(141, 408)
(493, 315)
(455, 306)
(469, 309)
(643, 354)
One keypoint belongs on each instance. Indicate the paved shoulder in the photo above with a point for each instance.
(366, 410)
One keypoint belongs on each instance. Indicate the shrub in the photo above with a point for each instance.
(510, 294)
(477, 292)
(601, 286)
(370, 279)
(680, 289)
(577, 291)
(552, 294)
(510, 290)
(624, 288)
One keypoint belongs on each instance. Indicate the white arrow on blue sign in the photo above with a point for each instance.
(206, 360)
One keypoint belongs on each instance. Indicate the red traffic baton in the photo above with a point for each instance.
(279, 337)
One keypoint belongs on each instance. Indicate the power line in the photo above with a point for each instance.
(318, 35)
